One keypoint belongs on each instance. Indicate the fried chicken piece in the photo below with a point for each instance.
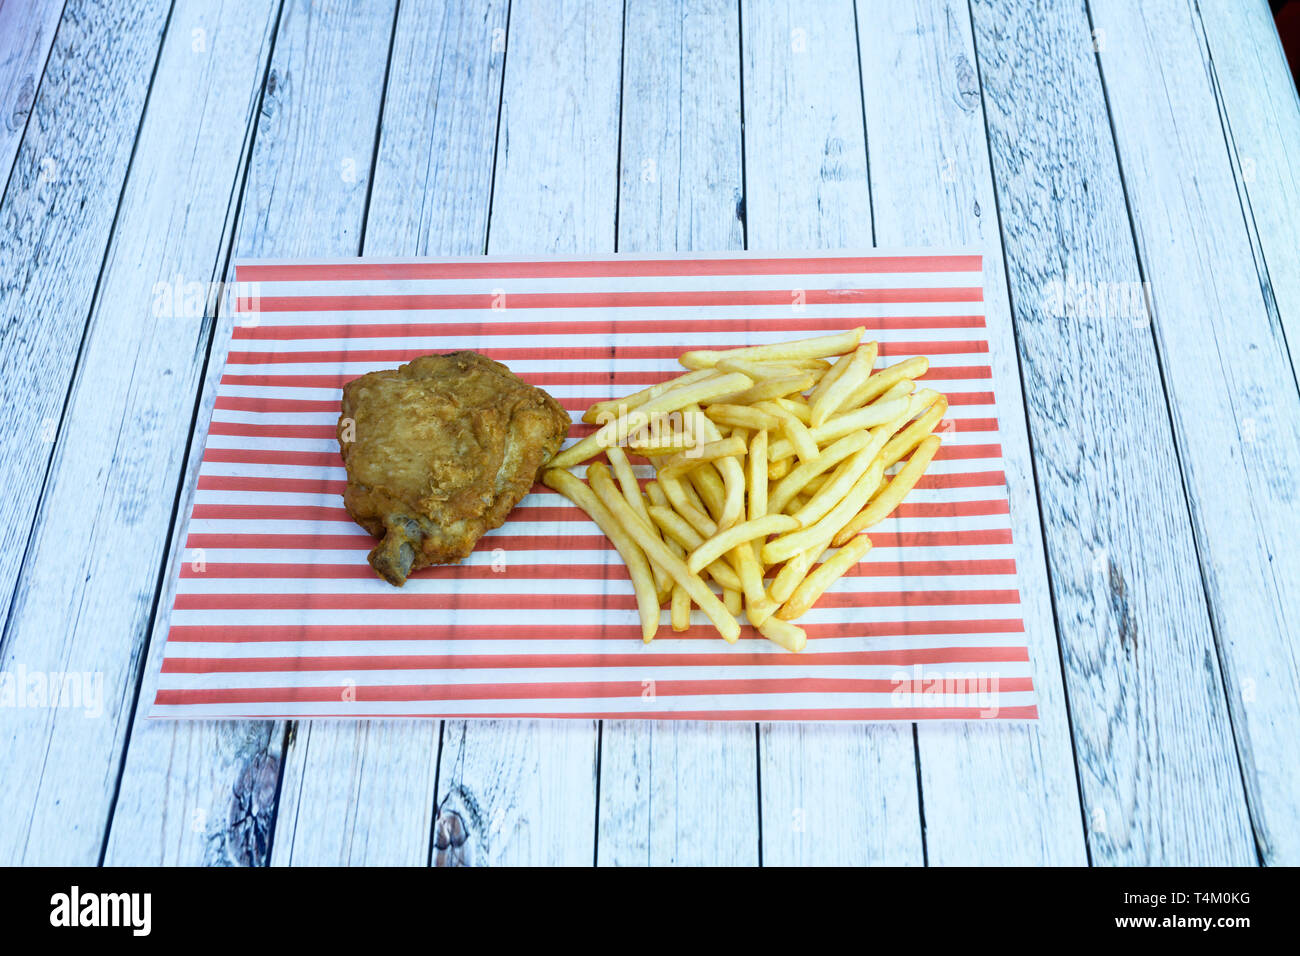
(438, 452)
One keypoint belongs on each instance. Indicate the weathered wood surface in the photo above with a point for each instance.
(1158, 771)
(830, 794)
(26, 33)
(1261, 122)
(992, 795)
(679, 792)
(55, 221)
(305, 194)
(525, 791)
(1096, 144)
(1230, 385)
(356, 793)
(91, 570)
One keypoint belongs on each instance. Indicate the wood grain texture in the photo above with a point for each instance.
(55, 222)
(1260, 112)
(365, 792)
(1231, 386)
(1164, 451)
(830, 794)
(673, 792)
(305, 195)
(26, 34)
(1158, 772)
(91, 572)
(433, 175)
(525, 791)
(357, 793)
(993, 795)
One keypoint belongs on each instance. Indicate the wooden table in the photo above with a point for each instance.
(1131, 175)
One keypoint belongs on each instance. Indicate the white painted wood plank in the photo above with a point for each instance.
(433, 176)
(26, 34)
(305, 195)
(57, 215)
(679, 793)
(87, 592)
(1158, 773)
(356, 793)
(365, 792)
(1261, 116)
(993, 795)
(830, 794)
(525, 791)
(1232, 388)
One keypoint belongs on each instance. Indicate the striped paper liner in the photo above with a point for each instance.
(277, 613)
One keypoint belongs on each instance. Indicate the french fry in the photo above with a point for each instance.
(788, 545)
(814, 485)
(732, 601)
(677, 529)
(897, 390)
(638, 565)
(771, 388)
(855, 374)
(733, 478)
(621, 406)
(724, 541)
(841, 425)
(818, 347)
(679, 612)
(627, 482)
(756, 464)
(651, 446)
(790, 636)
(837, 484)
(691, 510)
(632, 492)
(759, 371)
(742, 415)
(886, 378)
(841, 482)
(710, 489)
(655, 449)
(688, 461)
(776, 470)
(827, 573)
(758, 606)
(615, 432)
(654, 548)
(793, 572)
(802, 477)
(689, 488)
(902, 444)
(656, 494)
(831, 377)
(679, 604)
(796, 407)
(798, 437)
(887, 500)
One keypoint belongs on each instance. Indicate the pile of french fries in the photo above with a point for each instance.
(765, 458)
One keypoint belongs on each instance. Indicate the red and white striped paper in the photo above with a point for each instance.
(277, 613)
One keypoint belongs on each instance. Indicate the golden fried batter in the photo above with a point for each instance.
(438, 452)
